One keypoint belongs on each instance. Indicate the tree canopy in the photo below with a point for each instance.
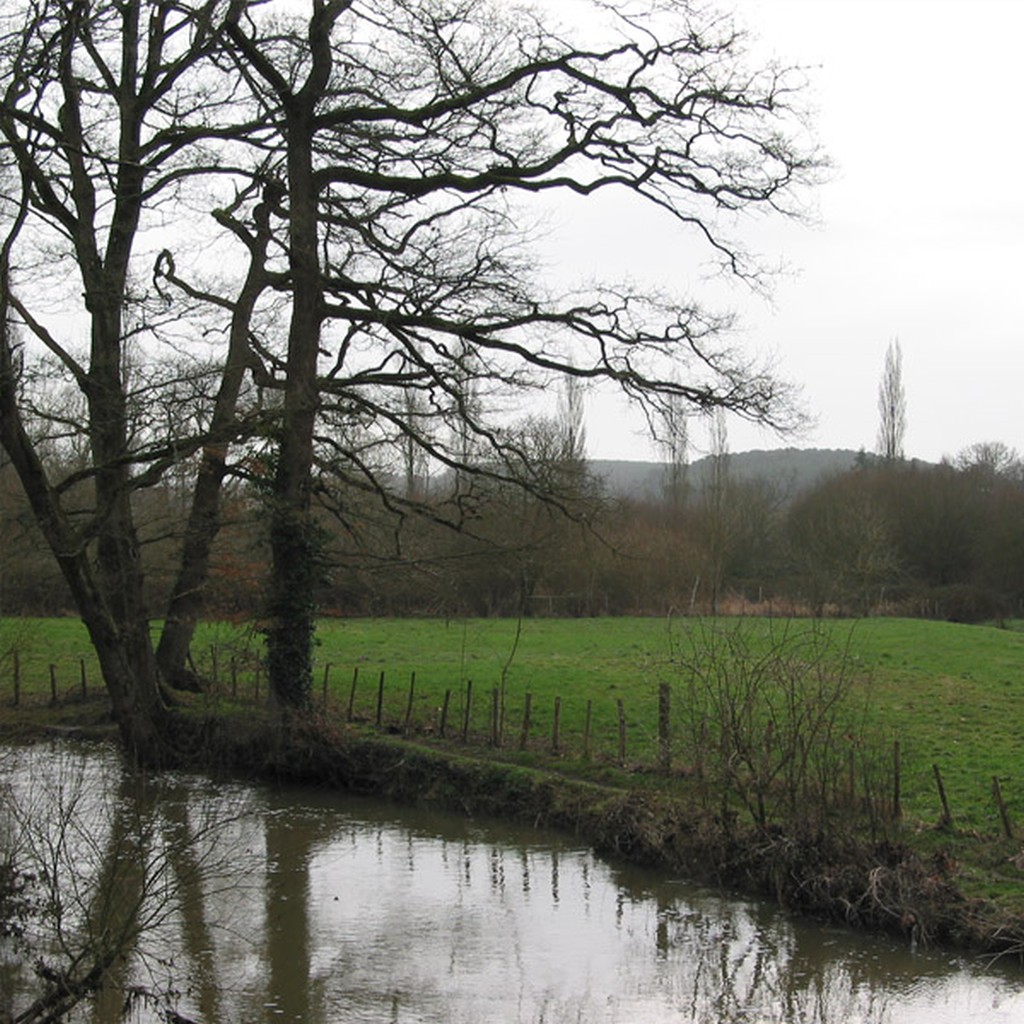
(295, 242)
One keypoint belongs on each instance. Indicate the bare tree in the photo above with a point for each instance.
(222, 426)
(377, 165)
(672, 436)
(414, 461)
(571, 420)
(892, 406)
(717, 507)
(108, 113)
(989, 460)
(414, 143)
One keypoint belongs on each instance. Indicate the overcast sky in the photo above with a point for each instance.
(920, 233)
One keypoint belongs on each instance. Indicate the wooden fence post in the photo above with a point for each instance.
(665, 727)
(469, 705)
(897, 809)
(380, 699)
(352, 694)
(53, 683)
(408, 706)
(586, 729)
(947, 818)
(524, 733)
(495, 717)
(1003, 813)
(234, 677)
(444, 713)
(622, 732)
(327, 672)
(17, 678)
(702, 746)
(556, 728)
(82, 679)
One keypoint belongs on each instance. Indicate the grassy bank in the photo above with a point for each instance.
(950, 695)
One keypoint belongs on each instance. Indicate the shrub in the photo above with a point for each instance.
(775, 720)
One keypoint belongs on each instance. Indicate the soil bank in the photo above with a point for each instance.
(880, 886)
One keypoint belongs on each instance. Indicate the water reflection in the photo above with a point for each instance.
(322, 908)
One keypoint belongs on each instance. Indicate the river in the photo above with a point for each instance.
(264, 904)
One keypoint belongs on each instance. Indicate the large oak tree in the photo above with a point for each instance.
(343, 196)
(418, 142)
(109, 113)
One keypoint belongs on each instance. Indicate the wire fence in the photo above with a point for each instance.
(656, 738)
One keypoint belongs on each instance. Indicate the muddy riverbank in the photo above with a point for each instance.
(881, 886)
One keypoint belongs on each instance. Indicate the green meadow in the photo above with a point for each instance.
(951, 695)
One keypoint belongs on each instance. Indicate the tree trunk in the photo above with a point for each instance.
(293, 534)
(186, 601)
(103, 567)
(117, 623)
(121, 638)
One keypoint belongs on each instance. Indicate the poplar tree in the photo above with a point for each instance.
(892, 406)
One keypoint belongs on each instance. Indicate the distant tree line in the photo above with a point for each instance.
(887, 537)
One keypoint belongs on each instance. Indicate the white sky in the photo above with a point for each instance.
(920, 236)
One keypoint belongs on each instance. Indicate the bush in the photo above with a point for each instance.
(774, 721)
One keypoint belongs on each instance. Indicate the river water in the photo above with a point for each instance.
(285, 905)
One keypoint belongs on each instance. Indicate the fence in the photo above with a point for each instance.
(604, 732)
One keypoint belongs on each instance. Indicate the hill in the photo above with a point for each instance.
(792, 470)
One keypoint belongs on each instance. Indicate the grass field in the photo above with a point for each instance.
(953, 695)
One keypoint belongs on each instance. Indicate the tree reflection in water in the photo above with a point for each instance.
(299, 905)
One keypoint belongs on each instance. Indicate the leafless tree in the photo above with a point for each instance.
(114, 124)
(892, 406)
(415, 141)
(572, 420)
(334, 206)
(717, 512)
(990, 460)
(672, 436)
